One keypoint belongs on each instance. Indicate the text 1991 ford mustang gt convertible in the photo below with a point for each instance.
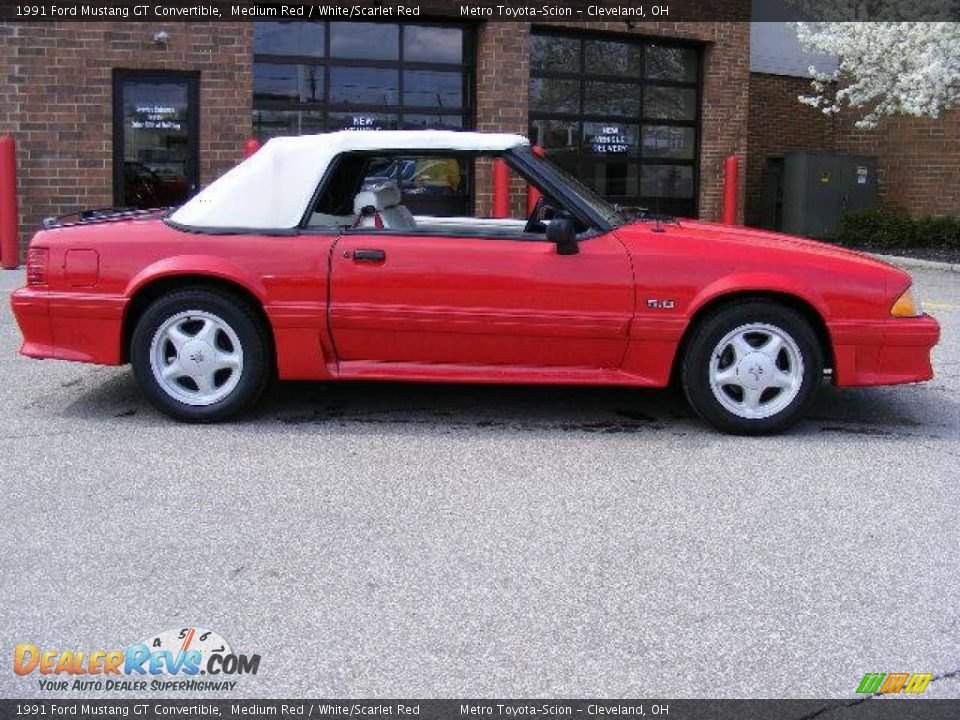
(353, 256)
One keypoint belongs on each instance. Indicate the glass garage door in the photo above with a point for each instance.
(622, 114)
(312, 77)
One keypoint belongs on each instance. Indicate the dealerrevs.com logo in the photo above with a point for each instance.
(189, 659)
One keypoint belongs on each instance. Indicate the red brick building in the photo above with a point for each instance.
(918, 159)
(127, 113)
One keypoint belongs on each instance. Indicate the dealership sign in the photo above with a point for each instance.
(610, 140)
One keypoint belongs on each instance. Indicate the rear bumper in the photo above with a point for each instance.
(32, 310)
(69, 326)
(886, 352)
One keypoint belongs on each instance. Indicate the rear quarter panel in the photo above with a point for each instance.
(287, 274)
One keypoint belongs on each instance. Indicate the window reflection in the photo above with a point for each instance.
(669, 181)
(157, 156)
(432, 44)
(553, 95)
(432, 89)
(363, 86)
(272, 123)
(370, 41)
(664, 141)
(424, 122)
(289, 38)
(669, 103)
(604, 98)
(671, 63)
(611, 178)
(560, 139)
(557, 54)
(284, 82)
(612, 58)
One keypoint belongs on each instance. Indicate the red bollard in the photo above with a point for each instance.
(250, 147)
(533, 195)
(731, 181)
(501, 189)
(9, 218)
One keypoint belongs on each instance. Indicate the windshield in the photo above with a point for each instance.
(610, 212)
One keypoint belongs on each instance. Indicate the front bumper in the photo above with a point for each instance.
(884, 352)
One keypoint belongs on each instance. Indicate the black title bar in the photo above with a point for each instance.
(629, 11)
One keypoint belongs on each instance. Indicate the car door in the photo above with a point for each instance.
(408, 298)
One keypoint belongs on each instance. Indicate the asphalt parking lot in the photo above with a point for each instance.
(459, 541)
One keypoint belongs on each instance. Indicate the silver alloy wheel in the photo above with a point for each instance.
(756, 371)
(196, 357)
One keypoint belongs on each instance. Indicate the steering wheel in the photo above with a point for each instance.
(534, 224)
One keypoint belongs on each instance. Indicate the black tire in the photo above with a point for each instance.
(248, 328)
(704, 342)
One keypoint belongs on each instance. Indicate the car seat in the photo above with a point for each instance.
(378, 206)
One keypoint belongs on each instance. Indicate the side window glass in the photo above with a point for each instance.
(526, 206)
(435, 193)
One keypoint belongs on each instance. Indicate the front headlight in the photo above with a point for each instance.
(908, 304)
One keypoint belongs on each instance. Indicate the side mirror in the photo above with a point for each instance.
(563, 234)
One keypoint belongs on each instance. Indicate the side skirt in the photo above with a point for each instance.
(495, 374)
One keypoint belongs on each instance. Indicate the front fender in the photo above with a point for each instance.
(759, 282)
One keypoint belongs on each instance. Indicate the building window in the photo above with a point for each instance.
(314, 77)
(623, 114)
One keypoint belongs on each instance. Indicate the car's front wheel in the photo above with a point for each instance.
(200, 355)
(752, 368)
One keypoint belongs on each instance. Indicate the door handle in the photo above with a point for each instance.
(369, 255)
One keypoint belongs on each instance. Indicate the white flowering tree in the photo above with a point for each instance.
(885, 68)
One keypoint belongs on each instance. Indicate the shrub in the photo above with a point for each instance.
(891, 229)
(941, 231)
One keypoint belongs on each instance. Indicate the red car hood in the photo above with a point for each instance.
(747, 239)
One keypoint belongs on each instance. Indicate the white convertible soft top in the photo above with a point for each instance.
(271, 189)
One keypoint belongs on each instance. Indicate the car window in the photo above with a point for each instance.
(434, 185)
(430, 192)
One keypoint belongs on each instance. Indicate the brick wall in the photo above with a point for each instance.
(56, 98)
(503, 77)
(918, 159)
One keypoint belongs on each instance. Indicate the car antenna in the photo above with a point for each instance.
(657, 227)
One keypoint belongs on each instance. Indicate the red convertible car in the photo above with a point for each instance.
(309, 261)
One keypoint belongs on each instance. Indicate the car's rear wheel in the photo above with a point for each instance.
(752, 368)
(200, 355)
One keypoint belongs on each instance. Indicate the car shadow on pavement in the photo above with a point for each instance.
(464, 406)
(882, 412)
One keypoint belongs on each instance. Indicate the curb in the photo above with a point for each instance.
(909, 262)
